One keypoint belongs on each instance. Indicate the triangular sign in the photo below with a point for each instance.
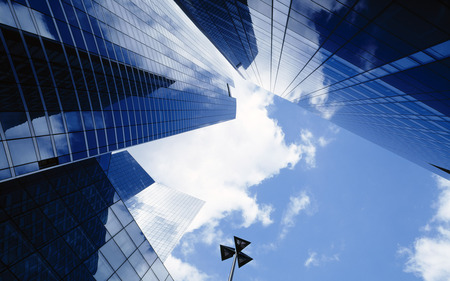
(226, 252)
(240, 243)
(243, 259)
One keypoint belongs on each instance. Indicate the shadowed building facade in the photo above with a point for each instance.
(69, 223)
(83, 78)
(377, 68)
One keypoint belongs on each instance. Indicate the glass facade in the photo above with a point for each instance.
(164, 214)
(377, 68)
(85, 77)
(127, 176)
(68, 223)
(229, 27)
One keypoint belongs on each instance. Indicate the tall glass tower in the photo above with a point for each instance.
(69, 223)
(82, 78)
(378, 68)
(163, 213)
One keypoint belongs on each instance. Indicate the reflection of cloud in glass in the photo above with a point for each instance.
(25, 19)
(5, 15)
(164, 214)
(22, 151)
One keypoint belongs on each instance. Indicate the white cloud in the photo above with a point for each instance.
(312, 260)
(324, 142)
(296, 204)
(308, 148)
(429, 257)
(182, 271)
(315, 260)
(220, 163)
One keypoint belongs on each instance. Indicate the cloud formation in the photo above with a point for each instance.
(429, 257)
(296, 204)
(315, 260)
(182, 271)
(219, 164)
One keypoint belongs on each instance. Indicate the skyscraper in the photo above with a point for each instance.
(377, 68)
(163, 213)
(82, 78)
(68, 223)
(127, 176)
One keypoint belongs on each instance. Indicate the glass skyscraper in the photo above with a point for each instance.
(378, 68)
(69, 223)
(127, 176)
(164, 214)
(83, 78)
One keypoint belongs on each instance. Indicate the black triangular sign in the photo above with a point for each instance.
(243, 259)
(240, 243)
(226, 252)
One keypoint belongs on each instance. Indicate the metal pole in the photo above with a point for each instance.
(230, 278)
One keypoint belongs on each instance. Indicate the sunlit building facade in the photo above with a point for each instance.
(164, 214)
(377, 68)
(69, 223)
(83, 78)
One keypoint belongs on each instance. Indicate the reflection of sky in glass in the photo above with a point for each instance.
(164, 214)
(119, 53)
(376, 68)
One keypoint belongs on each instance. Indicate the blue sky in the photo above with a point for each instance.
(316, 201)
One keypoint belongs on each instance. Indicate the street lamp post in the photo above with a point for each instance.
(228, 252)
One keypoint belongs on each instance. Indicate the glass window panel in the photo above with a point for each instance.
(113, 254)
(115, 278)
(80, 273)
(64, 32)
(40, 125)
(122, 213)
(15, 124)
(3, 160)
(60, 256)
(6, 17)
(112, 224)
(57, 123)
(22, 151)
(126, 272)
(77, 142)
(125, 244)
(32, 268)
(4, 174)
(422, 57)
(73, 121)
(150, 276)
(135, 233)
(14, 245)
(139, 264)
(88, 121)
(442, 49)
(99, 267)
(59, 215)
(45, 25)
(96, 231)
(159, 270)
(45, 147)
(148, 252)
(80, 243)
(24, 16)
(61, 145)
